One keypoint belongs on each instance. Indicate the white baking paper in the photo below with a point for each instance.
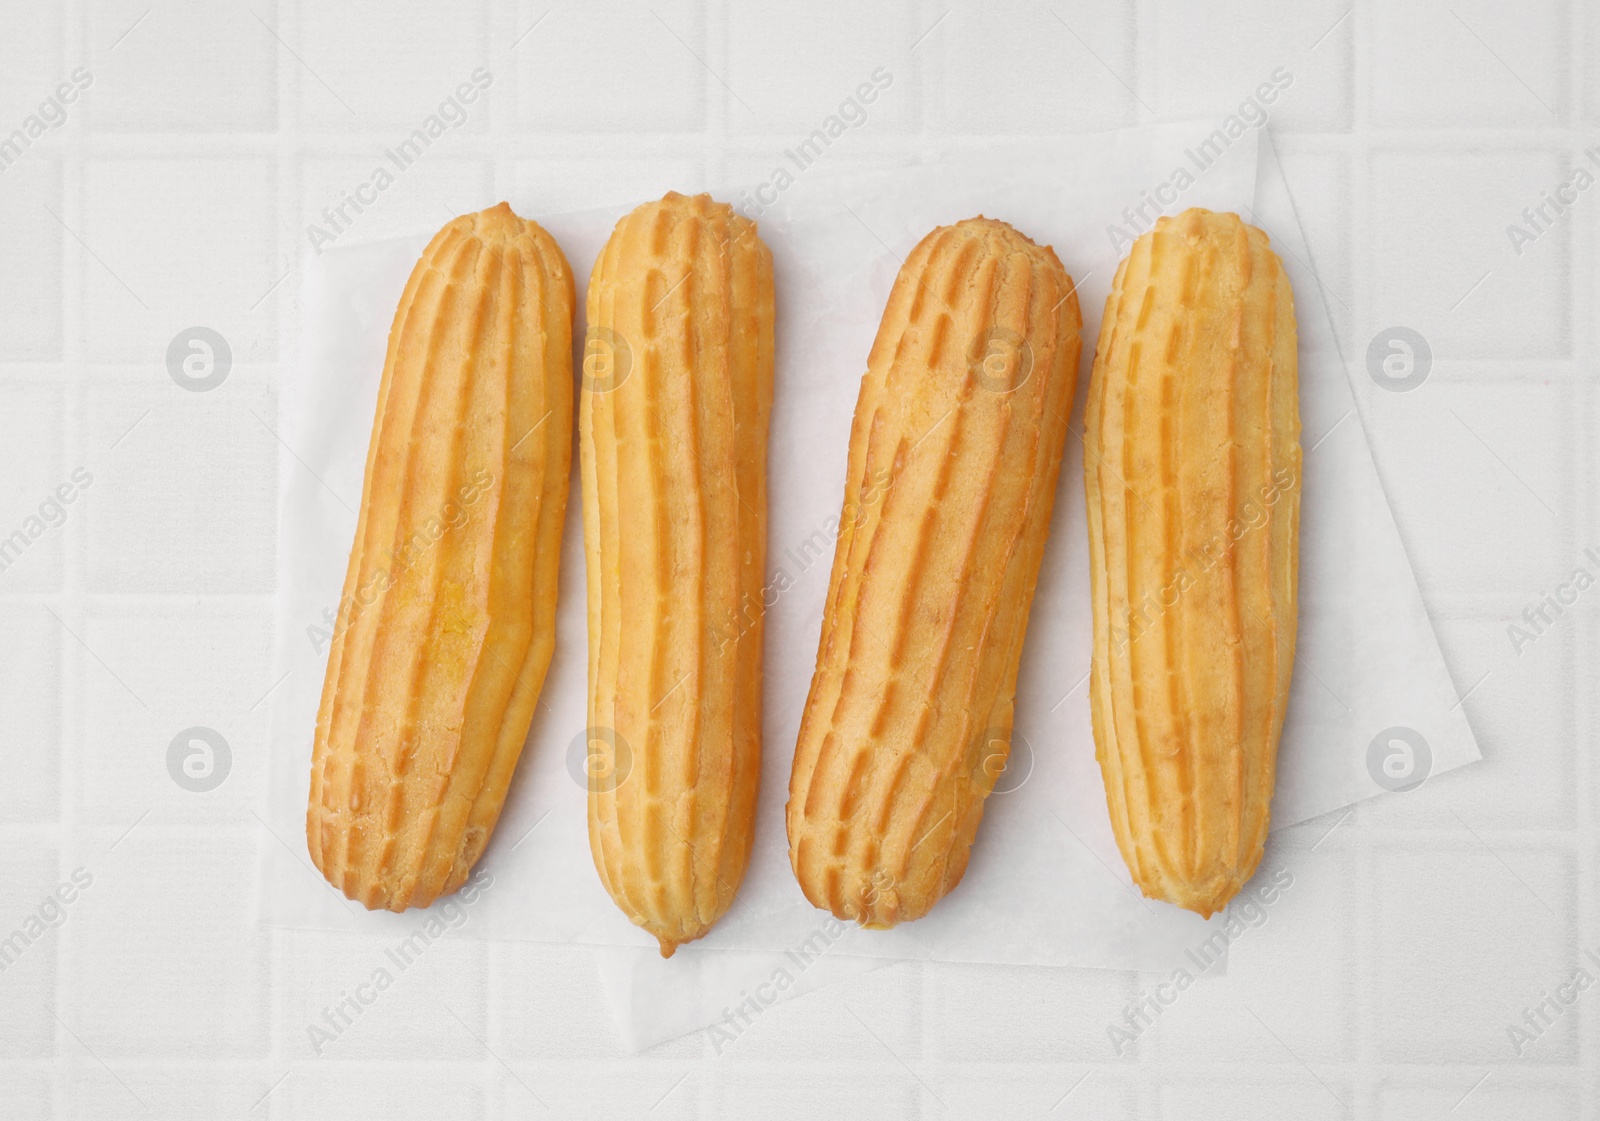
(1377, 614)
(1045, 884)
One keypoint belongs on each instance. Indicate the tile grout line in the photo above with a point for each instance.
(284, 302)
(70, 688)
(1583, 471)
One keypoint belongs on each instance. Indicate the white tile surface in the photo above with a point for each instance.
(32, 435)
(879, 1090)
(170, 243)
(890, 1002)
(386, 65)
(379, 1091)
(367, 998)
(1016, 69)
(203, 68)
(1444, 986)
(1073, 1093)
(168, 669)
(36, 71)
(185, 484)
(998, 1014)
(1528, 778)
(421, 194)
(1287, 1091)
(34, 240)
(1454, 452)
(32, 947)
(549, 1005)
(30, 713)
(566, 69)
(159, 973)
(132, 1089)
(570, 178)
(176, 191)
(1469, 63)
(799, 70)
(30, 1089)
(1528, 1098)
(1209, 57)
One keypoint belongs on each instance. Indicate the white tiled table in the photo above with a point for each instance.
(177, 193)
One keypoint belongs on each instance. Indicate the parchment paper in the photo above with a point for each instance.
(1045, 884)
(1379, 609)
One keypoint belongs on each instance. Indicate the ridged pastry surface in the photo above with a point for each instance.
(1192, 472)
(673, 447)
(954, 456)
(447, 621)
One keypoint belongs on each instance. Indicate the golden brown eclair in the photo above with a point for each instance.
(1192, 470)
(673, 446)
(954, 455)
(447, 620)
